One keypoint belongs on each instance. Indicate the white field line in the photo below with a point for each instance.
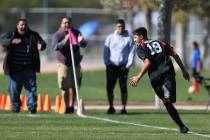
(118, 122)
(141, 125)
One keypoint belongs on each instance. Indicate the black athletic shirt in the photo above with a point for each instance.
(158, 53)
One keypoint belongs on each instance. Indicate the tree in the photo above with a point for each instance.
(180, 18)
(148, 6)
(164, 28)
(6, 5)
(201, 8)
(164, 20)
(126, 7)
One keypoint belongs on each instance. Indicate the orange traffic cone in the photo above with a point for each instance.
(3, 101)
(62, 109)
(47, 104)
(22, 99)
(8, 105)
(39, 103)
(57, 103)
(24, 104)
(0, 98)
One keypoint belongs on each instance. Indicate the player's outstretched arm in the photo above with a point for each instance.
(181, 65)
(135, 79)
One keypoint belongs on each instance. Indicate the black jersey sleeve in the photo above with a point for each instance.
(142, 54)
(169, 48)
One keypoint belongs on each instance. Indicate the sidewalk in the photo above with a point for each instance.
(51, 67)
(178, 105)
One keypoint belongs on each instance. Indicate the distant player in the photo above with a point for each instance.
(195, 66)
(155, 55)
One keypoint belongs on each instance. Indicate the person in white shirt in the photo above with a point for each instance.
(118, 57)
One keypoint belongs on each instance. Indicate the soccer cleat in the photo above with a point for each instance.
(33, 111)
(111, 110)
(123, 111)
(184, 130)
(69, 110)
(16, 111)
(72, 109)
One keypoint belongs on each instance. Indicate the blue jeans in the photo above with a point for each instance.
(17, 80)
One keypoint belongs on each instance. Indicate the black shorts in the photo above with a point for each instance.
(165, 87)
(194, 73)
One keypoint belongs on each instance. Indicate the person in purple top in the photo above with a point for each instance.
(65, 37)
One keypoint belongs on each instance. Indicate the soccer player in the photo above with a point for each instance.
(195, 65)
(155, 55)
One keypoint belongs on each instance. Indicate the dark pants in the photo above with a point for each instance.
(17, 80)
(195, 74)
(112, 74)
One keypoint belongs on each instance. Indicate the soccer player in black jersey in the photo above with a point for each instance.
(155, 55)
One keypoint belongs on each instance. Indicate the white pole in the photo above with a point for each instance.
(75, 81)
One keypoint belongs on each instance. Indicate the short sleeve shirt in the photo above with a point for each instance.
(158, 53)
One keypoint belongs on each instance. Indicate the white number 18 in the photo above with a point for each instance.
(155, 48)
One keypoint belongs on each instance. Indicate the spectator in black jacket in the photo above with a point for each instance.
(62, 40)
(21, 63)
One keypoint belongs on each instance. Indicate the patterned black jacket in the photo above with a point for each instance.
(6, 42)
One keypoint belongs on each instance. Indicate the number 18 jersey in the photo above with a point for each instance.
(158, 53)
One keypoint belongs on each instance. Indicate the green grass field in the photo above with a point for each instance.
(94, 88)
(51, 126)
(138, 124)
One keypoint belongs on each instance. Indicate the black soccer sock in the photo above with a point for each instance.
(124, 97)
(174, 114)
(110, 98)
